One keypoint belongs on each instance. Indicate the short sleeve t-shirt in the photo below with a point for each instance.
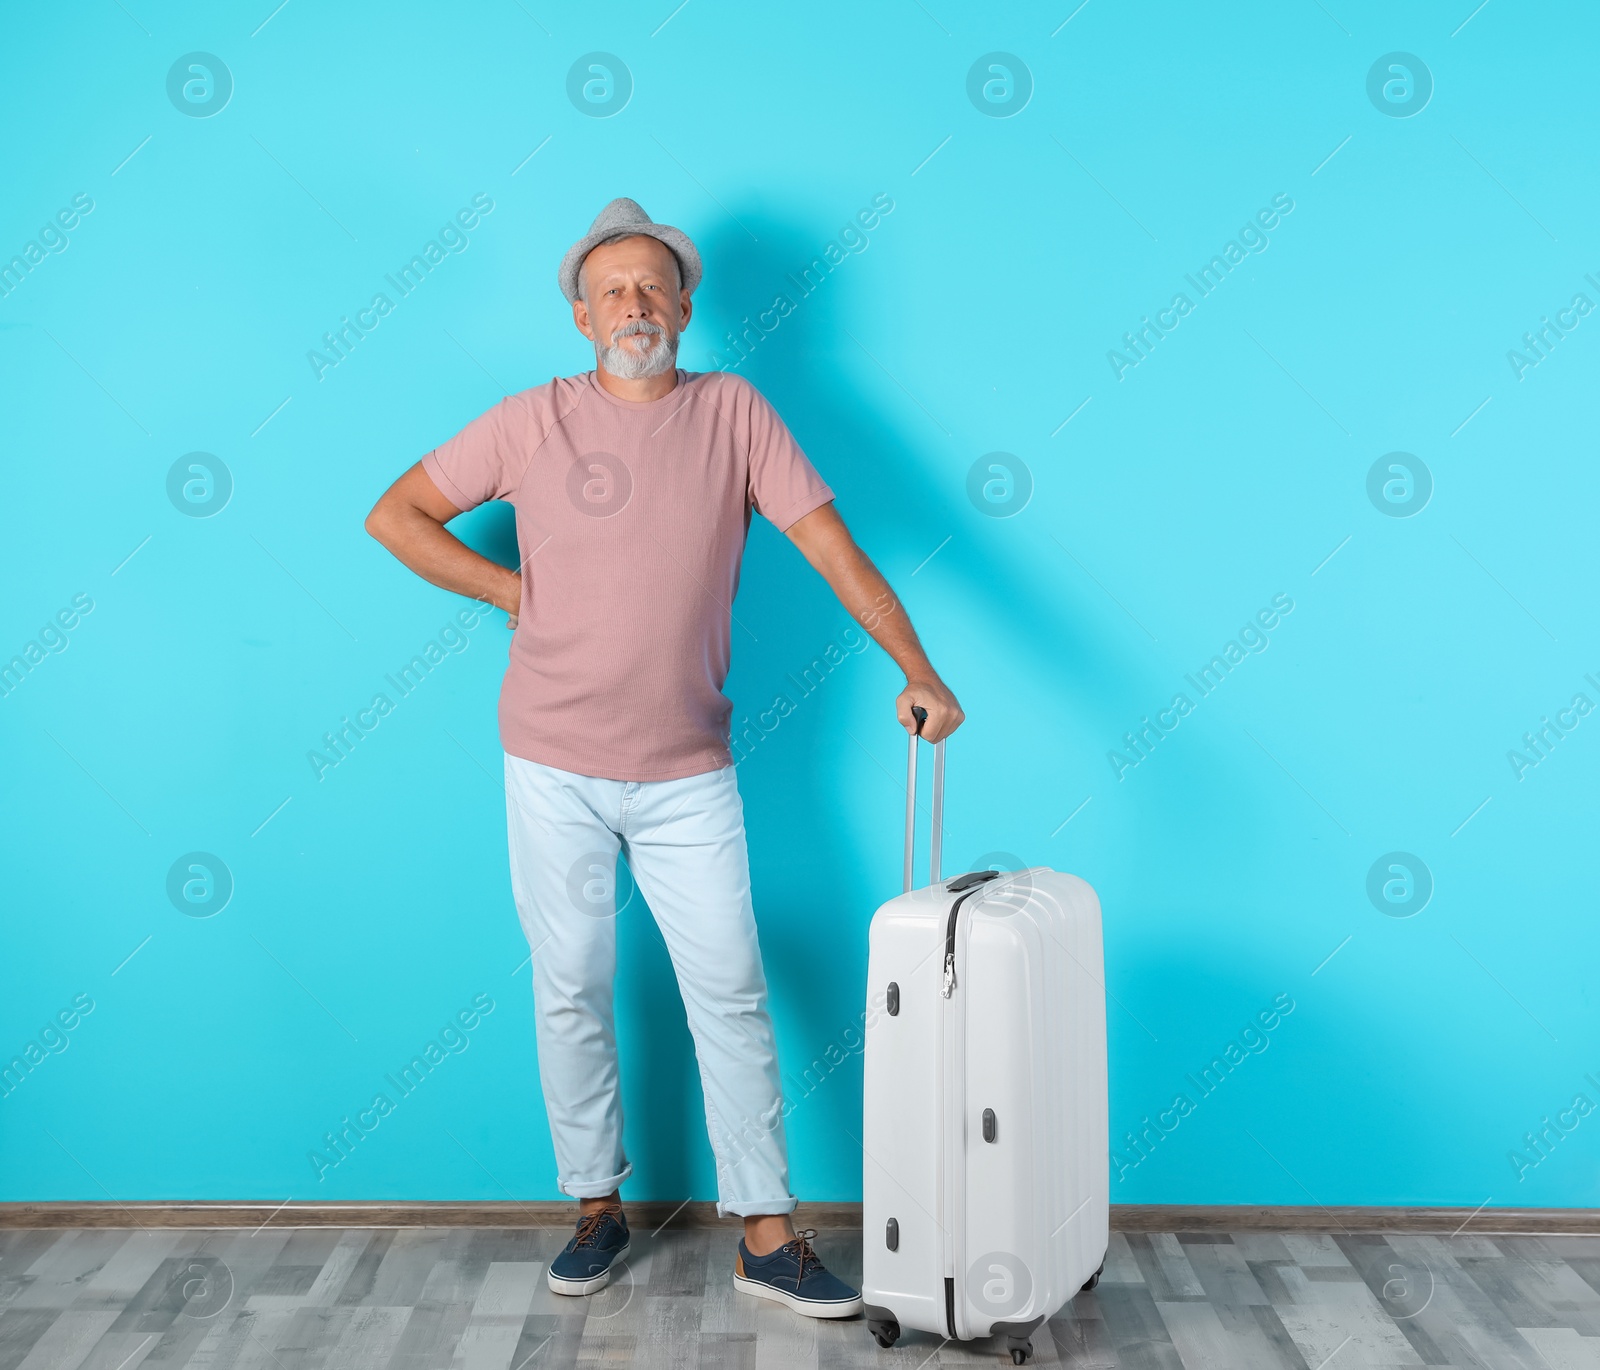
(631, 525)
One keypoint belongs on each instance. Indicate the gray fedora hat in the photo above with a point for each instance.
(623, 218)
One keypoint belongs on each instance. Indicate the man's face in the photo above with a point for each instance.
(632, 307)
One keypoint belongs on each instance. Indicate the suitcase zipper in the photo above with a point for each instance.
(967, 886)
(953, 1159)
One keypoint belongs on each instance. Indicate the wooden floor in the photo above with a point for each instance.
(365, 1299)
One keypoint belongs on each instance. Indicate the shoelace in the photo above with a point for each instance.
(589, 1226)
(800, 1244)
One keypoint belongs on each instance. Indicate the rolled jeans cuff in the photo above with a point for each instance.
(597, 1189)
(756, 1208)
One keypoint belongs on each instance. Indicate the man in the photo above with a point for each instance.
(633, 486)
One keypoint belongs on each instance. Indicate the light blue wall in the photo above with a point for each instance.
(1226, 469)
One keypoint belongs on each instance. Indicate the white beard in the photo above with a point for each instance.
(627, 364)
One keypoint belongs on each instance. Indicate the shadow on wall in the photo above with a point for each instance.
(902, 488)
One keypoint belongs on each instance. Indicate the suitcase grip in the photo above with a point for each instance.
(921, 715)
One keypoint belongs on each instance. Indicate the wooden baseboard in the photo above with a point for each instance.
(1278, 1218)
(652, 1216)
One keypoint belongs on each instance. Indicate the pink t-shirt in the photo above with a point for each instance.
(631, 525)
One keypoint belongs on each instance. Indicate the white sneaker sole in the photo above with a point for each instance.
(592, 1285)
(807, 1308)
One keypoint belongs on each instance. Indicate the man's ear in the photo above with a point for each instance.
(686, 308)
(580, 318)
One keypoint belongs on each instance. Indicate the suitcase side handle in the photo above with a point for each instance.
(921, 716)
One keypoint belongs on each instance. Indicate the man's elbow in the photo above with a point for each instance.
(378, 522)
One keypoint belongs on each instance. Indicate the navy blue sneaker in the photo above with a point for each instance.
(597, 1247)
(793, 1275)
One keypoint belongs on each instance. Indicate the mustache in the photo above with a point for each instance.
(637, 326)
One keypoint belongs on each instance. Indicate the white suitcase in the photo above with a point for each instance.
(986, 1184)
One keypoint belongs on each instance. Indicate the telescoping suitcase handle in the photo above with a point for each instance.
(921, 715)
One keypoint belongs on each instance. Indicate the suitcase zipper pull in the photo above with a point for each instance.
(965, 886)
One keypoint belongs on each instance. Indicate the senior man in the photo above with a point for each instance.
(633, 486)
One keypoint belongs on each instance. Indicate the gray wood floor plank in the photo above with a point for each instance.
(477, 1299)
(1224, 1276)
(357, 1289)
(783, 1341)
(1206, 1342)
(554, 1340)
(605, 1351)
(1136, 1328)
(176, 1344)
(728, 1350)
(121, 1277)
(21, 1253)
(725, 1311)
(404, 1269)
(62, 1272)
(840, 1342)
(1563, 1349)
(494, 1329)
(1078, 1333)
(313, 1332)
(1460, 1324)
(120, 1351)
(224, 1342)
(262, 1340)
(1340, 1317)
(69, 1340)
(457, 1277)
(1537, 1293)
(249, 1259)
(1277, 1336)
(369, 1339)
(430, 1337)
(1261, 1246)
(1312, 1249)
(1562, 1247)
(20, 1328)
(678, 1263)
(672, 1330)
(1121, 1268)
(338, 1267)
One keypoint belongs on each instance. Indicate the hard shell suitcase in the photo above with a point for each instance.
(986, 1184)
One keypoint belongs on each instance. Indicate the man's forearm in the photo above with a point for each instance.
(878, 609)
(826, 543)
(439, 556)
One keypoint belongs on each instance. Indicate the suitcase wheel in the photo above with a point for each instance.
(885, 1331)
(1020, 1349)
(1093, 1279)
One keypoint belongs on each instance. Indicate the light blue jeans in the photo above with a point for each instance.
(685, 844)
